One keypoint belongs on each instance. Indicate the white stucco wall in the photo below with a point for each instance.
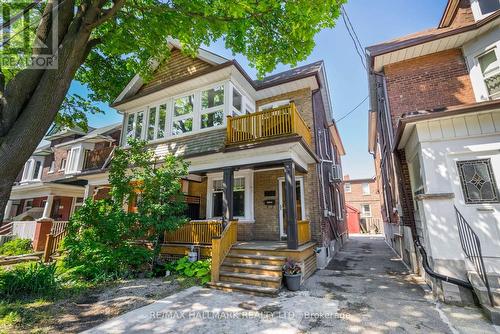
(439, 144)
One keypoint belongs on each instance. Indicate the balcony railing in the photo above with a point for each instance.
(272, 123)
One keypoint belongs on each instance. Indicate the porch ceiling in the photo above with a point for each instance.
(255, 157)
(40, 189)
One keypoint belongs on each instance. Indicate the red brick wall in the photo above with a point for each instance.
(356, 199)
(428, 82)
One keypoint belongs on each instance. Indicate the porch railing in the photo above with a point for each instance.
(195, 232)
(267, 124)
(6, 229)
(221, 245)
(472, 249)
(304, 231)
(58, 227)
(52, 244)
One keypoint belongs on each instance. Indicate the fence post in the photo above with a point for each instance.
(42, 229)
(48, 248)
(215, 258)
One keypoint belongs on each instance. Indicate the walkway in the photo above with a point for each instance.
(364, 290)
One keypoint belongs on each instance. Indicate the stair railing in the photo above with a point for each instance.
(221, 245)
(472, 249)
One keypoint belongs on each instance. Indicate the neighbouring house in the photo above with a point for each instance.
(48, 189)
(434, 130)
(363, 196)
(264, 157)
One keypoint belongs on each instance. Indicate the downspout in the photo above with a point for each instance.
(436, 275)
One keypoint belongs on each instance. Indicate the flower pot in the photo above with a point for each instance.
(293, 281)
(192, 256)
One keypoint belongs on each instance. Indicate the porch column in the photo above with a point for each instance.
(8, 209)
(291, 205)
(89, 191)
(48, 206)
(227, 193)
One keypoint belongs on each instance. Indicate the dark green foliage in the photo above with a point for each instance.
(105, 241)
(28, 280)
(199, 269)
(16, 247)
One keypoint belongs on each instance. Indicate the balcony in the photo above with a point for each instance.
(268, 124)
(95, 159)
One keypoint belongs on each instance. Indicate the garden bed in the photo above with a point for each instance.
(75, 311)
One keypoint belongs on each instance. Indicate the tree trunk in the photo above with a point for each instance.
(36, 116)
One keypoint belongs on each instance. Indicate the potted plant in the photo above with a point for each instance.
(293, 274)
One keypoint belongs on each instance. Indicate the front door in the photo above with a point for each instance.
(299, 188)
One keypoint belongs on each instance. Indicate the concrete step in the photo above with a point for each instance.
(250, 289)
(475, 279)
(255, 259)
(249, 268)
(493, 313)
(482, 294)
(250, 279)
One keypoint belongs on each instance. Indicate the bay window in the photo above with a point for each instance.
(205, 108)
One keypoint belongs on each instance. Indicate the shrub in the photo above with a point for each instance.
(16, 247)
(28, 280)
(199, 269)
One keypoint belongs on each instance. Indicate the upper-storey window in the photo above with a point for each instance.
(212, 107)
(183, 115)
(32, 170)
(366, 188)
(488, 6)
(74, 160)
(483, 8)
(201, 109)
(490, 69)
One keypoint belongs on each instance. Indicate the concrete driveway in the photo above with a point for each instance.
(365, 290)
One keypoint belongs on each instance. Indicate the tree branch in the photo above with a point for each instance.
(106, 14)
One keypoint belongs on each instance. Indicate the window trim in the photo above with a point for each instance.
(365, 214)
(28, 174)
(363, 189)
(346, 184)
(490, 174)
(476, 11)
(249, 195)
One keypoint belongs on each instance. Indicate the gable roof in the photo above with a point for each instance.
(57, 131)
(292, 74)
(428, 36)
(95, 135)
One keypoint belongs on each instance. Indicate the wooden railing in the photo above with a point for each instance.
(6, 229)
(58, 227)
(267, 124)
(221, 246)
(304, 231)
(52, 244)
(195, 232)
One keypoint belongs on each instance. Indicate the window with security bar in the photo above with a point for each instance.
(477, 181)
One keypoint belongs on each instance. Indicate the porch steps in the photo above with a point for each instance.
(251, 273)
(250, 289)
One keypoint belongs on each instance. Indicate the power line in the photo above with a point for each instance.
(358, 47)
(352, 110)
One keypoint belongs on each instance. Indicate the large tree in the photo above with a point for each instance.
(103, 43)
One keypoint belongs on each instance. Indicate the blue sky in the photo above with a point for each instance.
(374, 21)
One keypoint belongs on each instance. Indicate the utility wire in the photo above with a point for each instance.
(352, 110)
(358, 47)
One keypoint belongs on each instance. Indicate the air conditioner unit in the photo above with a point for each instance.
(336, 174)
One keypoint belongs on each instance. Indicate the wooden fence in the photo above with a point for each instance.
(52, 244)
(221, 245)
(195, 232)
(266, 124)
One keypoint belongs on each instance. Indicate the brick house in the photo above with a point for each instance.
(434, 131)
(48, 188)
(364, 196)
(264, 154)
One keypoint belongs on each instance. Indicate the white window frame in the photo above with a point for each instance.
(494, 49)
(472, 52)
(29, 169)
(211, 110)
(249, 186)
(365, 193)
(366, 214)
(476, 10)
(52, 168)
(348, 187)
(192, 115)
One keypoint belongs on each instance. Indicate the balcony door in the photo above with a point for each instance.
(299, 192)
